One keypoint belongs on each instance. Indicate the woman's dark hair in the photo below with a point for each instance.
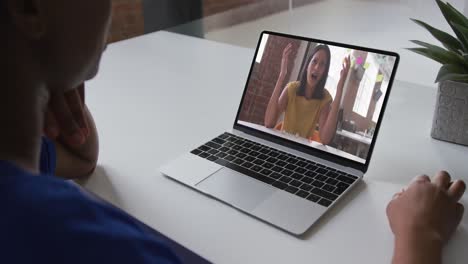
(318, 92)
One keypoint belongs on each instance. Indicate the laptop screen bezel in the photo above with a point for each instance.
(307, 149)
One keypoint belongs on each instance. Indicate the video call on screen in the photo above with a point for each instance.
(326, 97)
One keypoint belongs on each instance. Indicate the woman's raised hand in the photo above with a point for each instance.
(285, 60)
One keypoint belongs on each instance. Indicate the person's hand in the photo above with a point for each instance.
(285, 60)
(427, 208)
(345, 65)
(65, 117)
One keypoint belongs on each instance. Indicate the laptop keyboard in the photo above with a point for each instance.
(304, 178)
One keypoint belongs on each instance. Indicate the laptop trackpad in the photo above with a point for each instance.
(237, 189)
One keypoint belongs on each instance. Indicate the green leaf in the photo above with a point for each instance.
(439, 54)
(463, 31)
(454, 17)
(446, 39)
(451, 72)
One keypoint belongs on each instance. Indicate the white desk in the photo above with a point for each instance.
(162, 94)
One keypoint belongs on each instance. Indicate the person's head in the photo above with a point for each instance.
(315, 73)
(61, 41)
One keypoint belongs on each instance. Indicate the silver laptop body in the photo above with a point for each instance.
(272, 196)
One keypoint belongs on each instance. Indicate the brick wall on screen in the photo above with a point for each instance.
(127, 19)
(263, 79)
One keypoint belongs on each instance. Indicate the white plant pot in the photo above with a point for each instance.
(451, 113)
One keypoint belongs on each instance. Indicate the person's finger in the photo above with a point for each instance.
(420, 179)
(459, 211)
(456, 190)
(442, 179)
(77, 109)
(51, 127)
(69, 128)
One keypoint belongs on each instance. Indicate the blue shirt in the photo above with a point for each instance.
(45, 219)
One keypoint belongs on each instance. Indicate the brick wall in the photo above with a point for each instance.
(127, 19)
(264, 77)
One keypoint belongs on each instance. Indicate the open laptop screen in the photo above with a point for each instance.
(322, 95)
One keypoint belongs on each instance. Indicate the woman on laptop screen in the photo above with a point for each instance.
(306, 103)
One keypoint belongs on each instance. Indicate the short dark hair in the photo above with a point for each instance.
(319, 89)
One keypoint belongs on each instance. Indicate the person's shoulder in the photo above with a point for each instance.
(293, 85)
(64, 217)
(327, 98)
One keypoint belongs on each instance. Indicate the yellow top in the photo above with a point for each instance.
(301, 114)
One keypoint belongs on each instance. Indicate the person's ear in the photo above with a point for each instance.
(27, 16)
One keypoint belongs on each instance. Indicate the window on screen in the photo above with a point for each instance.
(335, 68)
(378, 106)
(261, 48)
(366, 87)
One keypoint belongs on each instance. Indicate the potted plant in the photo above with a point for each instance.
(450, 121)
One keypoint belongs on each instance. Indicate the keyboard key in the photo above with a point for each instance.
(266, 172)
(196, 151)
(255, 148)
(312, 197)
(321, 171)
(247, 145)
(295, 183)
(280, 185)
(307, 179)
(245, 150)
(331, 181)
(302, 194)
(339, 190)
(264, 150)
(274, 154)
(306, 187)
(224, 149)
(286, 172)
(321, 178)
(204, 148)
(324, 194)
(291, 189)
(238, 161)
(258, 162)
(310, 174)
(311, 167)
(213, 145)
(318, 184)
(272, 160)
(247, 165)
(241, 155)
(300, 170)
(282, 157)
(224, 136)
(302, 164)
(256, 168)
(213, 151)
(324, 202)
(342, 185)
(285, 179)
(237, 147)
(212, 158)
(232, 152)
(281, 163)
(332, 174)
(351, 176)
(328, 188)
(254, 153)
(219, 141)
(249, 158)
(230, 158)
(346, 179)
(204, 155)
(268, 165)
(292, 160)
(277, 168)
(297, 176)
(262, 156)
(275, 175)
(290, 167)
(221, 155)
(228, 144)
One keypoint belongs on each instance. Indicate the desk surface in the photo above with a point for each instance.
(162, 94)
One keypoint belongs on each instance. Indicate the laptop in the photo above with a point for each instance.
(302, 139)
